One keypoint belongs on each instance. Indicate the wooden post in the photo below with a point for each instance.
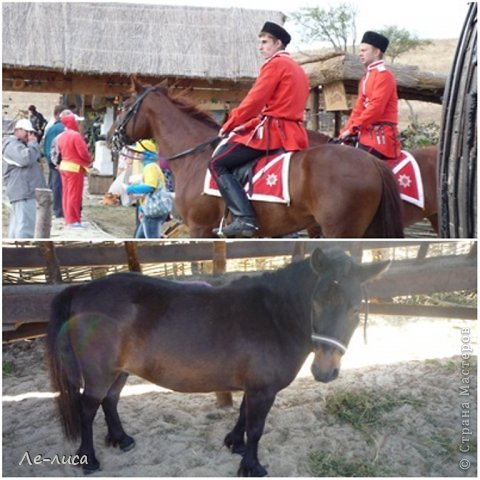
(224, 399)
(314, 109)
(338, 123)
(43, 220)
(132, 257)
(298, 251)
(54, 274)
(219, 257)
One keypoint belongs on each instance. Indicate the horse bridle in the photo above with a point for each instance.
(327, 340)
(120, 138)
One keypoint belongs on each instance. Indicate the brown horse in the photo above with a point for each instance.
(344, 191)
(427, 163)
(250, 335)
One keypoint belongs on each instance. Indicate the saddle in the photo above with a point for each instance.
(264, 178)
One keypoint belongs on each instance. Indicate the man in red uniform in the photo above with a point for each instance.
(375, 114)
(269, 118)
(75, 160)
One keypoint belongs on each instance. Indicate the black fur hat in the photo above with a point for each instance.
(376, 40)
(277, 31)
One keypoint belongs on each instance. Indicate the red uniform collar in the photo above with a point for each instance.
(281, 53)
(377, 64)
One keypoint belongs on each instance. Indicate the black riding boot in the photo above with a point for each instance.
(243, 224)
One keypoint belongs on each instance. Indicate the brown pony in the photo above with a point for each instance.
(343, 191)
(427, 163)
(250, 335)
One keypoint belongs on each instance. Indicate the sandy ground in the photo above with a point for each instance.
(181, 434)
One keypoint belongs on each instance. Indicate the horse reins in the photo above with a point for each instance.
(196, 149)
(132, 113)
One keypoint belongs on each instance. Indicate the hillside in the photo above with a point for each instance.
(436, 58)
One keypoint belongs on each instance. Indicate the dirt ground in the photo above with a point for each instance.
(416, 361)
(103, 222)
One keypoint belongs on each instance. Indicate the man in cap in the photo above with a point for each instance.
(269, 118)
(375, 114)
(21, 176)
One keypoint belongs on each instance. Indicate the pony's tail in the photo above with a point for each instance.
(64, 369)
(389, 213)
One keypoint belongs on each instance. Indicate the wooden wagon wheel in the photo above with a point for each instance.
(458, 142)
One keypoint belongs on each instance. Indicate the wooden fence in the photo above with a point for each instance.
(26, 307)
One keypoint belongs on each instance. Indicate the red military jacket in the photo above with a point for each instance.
(271, 115)
(375, 114)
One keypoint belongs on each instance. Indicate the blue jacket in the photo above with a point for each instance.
(56, 129)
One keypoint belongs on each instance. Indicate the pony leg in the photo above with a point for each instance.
(235, 440)
(88, 409)
(116, 436)
(258, 404)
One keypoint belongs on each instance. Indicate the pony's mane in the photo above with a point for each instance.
(187, 105)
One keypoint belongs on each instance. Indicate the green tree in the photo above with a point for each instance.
(335, 25)
(401, 41)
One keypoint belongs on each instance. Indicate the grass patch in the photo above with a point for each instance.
(364, 408)
(448, 366)
(8, 369)
(327, 465)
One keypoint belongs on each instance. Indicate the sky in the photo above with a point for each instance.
(427, 19)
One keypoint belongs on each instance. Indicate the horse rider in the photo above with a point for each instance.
(269, 118)
(374, 117)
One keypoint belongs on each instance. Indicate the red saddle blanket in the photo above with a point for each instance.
(269, 180)
(409, 178)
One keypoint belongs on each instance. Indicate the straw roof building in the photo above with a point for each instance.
(93, 48)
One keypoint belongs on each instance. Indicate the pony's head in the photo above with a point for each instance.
(335, 307)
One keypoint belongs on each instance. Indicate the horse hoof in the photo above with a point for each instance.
(128, 444)
(125, 444)
(255, 471)
(238, 447)
(90, 468)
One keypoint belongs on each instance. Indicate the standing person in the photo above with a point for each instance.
(38, 121)
(22, 174)
(54, 179)
(375, 114)
(153, 178)
(75, 160)
(269, 118)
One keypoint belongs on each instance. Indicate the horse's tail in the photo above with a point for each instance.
(64, 369)
(389, 214)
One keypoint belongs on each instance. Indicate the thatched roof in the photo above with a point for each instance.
(116, 38)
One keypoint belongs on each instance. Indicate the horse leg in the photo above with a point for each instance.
(433, 219)
(224, 399)
(235, 440)
(116, 436)
(88, 409)
(258, 404)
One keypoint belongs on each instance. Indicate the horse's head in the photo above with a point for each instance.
(335, 307)
(129, 126)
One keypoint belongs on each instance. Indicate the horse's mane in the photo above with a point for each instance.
(184, 102)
